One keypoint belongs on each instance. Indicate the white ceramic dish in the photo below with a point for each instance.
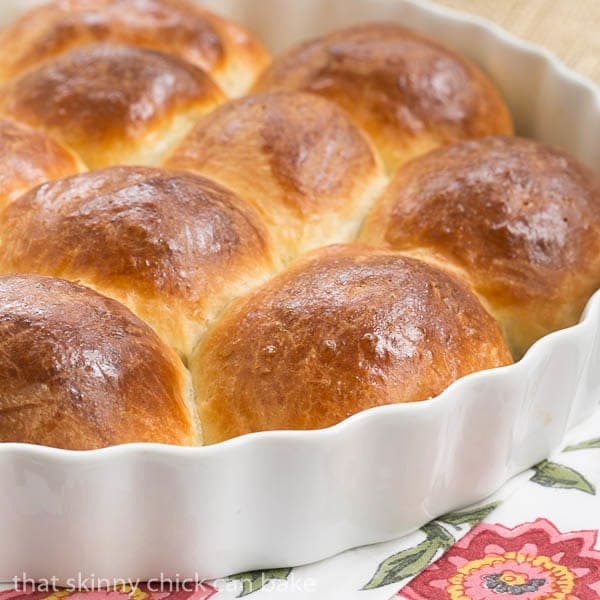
(286, 498)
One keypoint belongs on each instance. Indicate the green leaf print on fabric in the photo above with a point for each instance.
(410, 562)
(252, 581)
(553, 475)
(588, 445)
(469, 517)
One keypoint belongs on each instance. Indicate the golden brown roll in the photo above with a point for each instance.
(518, 219)
(29, 157)
(112, 104)
(409, 93)
(173, 247)
(231, 55)
(296, 157)
(79, 371)
(344, 329)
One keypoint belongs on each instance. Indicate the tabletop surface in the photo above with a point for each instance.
(567, 27)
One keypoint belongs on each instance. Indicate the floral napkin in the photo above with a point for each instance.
(537, 539)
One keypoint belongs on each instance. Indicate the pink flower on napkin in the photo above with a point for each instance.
(533, 561)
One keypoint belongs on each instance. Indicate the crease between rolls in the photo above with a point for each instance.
(209, 226)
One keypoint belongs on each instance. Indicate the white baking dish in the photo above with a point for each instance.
(284, 498)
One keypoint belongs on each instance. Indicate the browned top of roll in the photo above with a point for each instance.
(29, 157)
(177, 27)
(408, 92)
(294, 156)
(344, 329)
(170, 245)
(104, 101)
(313, 150)
(79, 371)
(520, 219)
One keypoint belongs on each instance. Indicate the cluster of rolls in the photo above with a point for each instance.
(197, 242)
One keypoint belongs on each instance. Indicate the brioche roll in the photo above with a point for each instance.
(173, 247)
(28, 158)
(295, 157)
(406, 91)
(518, 219)
(112, 104)
(231, 55)
(79, 371)
(344, 329)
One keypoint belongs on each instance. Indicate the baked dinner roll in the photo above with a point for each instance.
(409, 93)
(519, 220)
(344, 329)
(79, 371)
(296, 157)
(231, 55)
(112, 104)
(29, 157)
(173, 247)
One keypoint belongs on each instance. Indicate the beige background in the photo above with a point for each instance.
(570, 28)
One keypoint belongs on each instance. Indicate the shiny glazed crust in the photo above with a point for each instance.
(518, 219)
(406, 91)
(79, 371)
(344, 329)
(296, 157)
(231, 55)
(29, 157)
(174, 247)
(112, 104)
